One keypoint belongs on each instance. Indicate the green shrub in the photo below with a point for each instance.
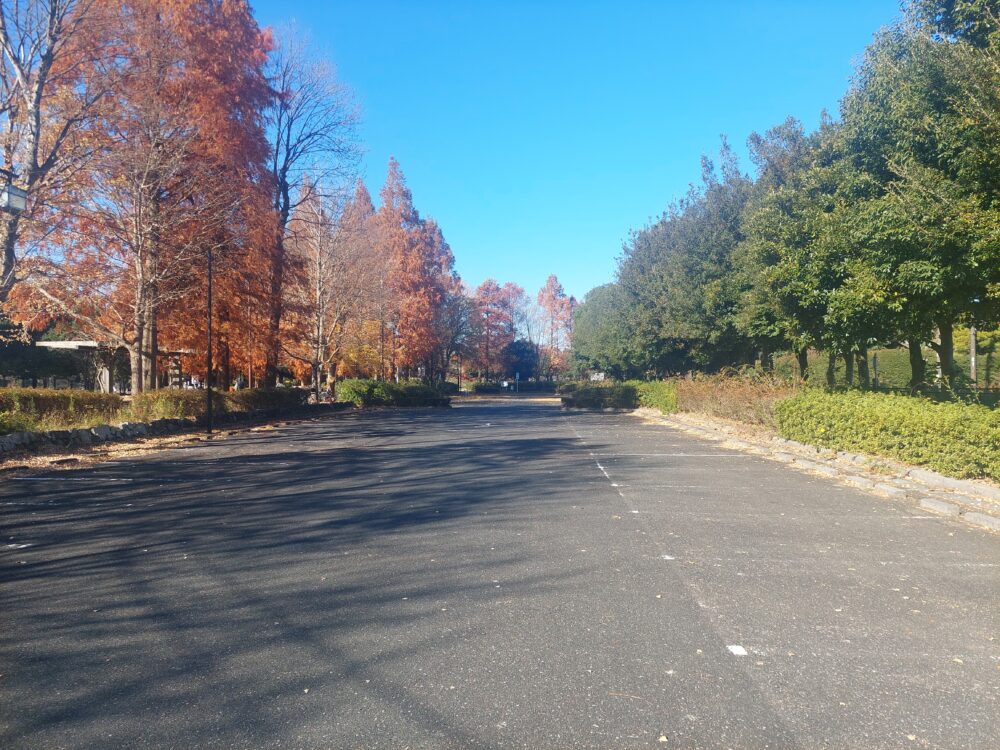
(51, 409)
(605, 395)
(10, 422)
(446, 387)
(658, 394)
(355, 391)
(173, 403)
(252, 399)
(957, 439)
(384, 393)
(486, 388)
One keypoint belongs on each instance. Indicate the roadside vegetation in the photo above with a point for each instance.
(386, 393)
(42, 409)
(875, 233)
(951, 436)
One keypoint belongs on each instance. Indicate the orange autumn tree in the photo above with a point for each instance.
(495, 316)
(229, 92)
(325, 302)
(311, 130)
(422, 276)
(157, 197)
(557, 326)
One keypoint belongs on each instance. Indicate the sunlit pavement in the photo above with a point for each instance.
(497, 575)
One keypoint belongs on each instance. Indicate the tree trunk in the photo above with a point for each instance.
(803, 357)
(272, 343)
(917, 365)
(136, 352)
(947, 352)
(849, 368)
(864, 378)
(149, 346)
(9, 259)
(831, 369)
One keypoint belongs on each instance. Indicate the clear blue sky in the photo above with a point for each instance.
(539, 133)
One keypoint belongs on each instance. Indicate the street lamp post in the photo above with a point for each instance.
(208, 350)
(13, 199)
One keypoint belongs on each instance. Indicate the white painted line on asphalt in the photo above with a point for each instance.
(667, 557)
(737, 650)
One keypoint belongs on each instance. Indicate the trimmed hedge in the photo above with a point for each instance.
(631, 394)
(252, 399)
(25, 409)
(658, 394)
(43, 402)
(383, 393)
(172, 403)
(605, 395)
(952, 438)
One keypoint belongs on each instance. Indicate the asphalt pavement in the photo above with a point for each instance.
(495, 575)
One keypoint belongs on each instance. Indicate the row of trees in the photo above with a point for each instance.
(879, 228)
(160, 138)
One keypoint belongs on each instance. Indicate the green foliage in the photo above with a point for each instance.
(446, 387)
(658, 394)
(173, 403)
(252, 399)
(49, 409)
(362, 392)
(956, 439)
(605, 395)
(15, 422)
(357, 391)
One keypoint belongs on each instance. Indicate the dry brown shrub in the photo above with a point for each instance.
(744, 397)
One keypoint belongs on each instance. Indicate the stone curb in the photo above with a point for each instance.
(22, 442)
(974, 502)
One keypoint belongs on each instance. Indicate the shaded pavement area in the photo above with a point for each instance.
(496, 575)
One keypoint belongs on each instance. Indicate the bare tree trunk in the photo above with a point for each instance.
(849, 368)
(831, 369)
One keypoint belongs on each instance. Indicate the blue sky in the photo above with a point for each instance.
(539, 134)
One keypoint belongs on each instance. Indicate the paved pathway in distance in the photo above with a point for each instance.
(499, 575)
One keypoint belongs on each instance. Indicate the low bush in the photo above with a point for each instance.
(383, 393)
(355, 391)
(744, 399)
(446, 387)
(252, 399)
(486, 388)
(658, 394)
(173, 403)
(957, 439)
(605, 395)
(50, 409)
